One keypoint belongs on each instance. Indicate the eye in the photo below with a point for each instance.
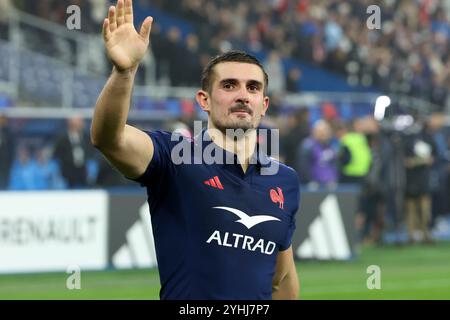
(228, 86)
(253, 87)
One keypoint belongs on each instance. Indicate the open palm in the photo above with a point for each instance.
(124, 45)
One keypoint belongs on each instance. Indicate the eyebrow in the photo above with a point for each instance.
(249, 82)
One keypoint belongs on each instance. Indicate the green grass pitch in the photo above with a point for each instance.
(409, 272)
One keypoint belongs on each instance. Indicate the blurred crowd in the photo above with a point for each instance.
(400, 166)
(93, 11)
(408, 55)
(65, 161)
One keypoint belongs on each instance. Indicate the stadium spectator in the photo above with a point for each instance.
(23, 171)
(47, 172)
(182, 196)
(318, 158)
(293, 80)
(275, 71)
(6, 151)
(293, 134)
(192, 65)
(72, 150)
(176, 54)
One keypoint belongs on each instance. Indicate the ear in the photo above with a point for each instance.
(265, 106)
(202, 98)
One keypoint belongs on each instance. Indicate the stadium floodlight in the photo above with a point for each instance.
(380, 107)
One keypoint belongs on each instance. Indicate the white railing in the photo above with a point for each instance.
(24, 112)
(19, 19)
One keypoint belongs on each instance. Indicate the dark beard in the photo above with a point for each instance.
(234, 126)
(244, 125)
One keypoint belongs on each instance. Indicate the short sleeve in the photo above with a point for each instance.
(158, 166)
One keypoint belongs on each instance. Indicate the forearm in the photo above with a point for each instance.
(287, 289)
(112, 107)
(417, 161)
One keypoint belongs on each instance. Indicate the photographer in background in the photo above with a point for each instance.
(420, 154)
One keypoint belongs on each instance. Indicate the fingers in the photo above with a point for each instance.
(106, 30)
(128, 11)
(120, 13)
(146, 28)
(112, 19)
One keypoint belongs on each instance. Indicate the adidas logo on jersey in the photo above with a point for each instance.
(214, 182)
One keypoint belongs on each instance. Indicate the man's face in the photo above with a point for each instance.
(3, 120)
(76, 124)
(322, 133)
(236, 100)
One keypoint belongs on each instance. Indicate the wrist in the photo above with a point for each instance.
(125, 72)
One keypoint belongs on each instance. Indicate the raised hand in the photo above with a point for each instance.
(124, 45)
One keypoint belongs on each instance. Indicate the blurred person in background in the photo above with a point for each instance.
(176, 54)
(318, 158)
(374, 184)
(193, 261)
(420, 155)
(72, 151)
(48, 175)
(292, 136)
(394, 181)
(354, 154)
(293, 78)
(441, 167)
(354, 164)
(23, 171)
(275, 70)
(108, 176)
(6, 151)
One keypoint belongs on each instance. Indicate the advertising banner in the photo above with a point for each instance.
(50, 231)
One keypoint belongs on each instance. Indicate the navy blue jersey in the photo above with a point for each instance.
(217, 230)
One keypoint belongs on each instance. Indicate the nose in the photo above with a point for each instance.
(243, 96)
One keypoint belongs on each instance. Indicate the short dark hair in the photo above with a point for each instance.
(230, 56)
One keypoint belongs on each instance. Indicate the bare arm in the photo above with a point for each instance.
(127, 148)
(285, 284)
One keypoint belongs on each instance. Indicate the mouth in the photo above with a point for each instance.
(241, 110)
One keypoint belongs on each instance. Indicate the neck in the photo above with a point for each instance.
(243, 147)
